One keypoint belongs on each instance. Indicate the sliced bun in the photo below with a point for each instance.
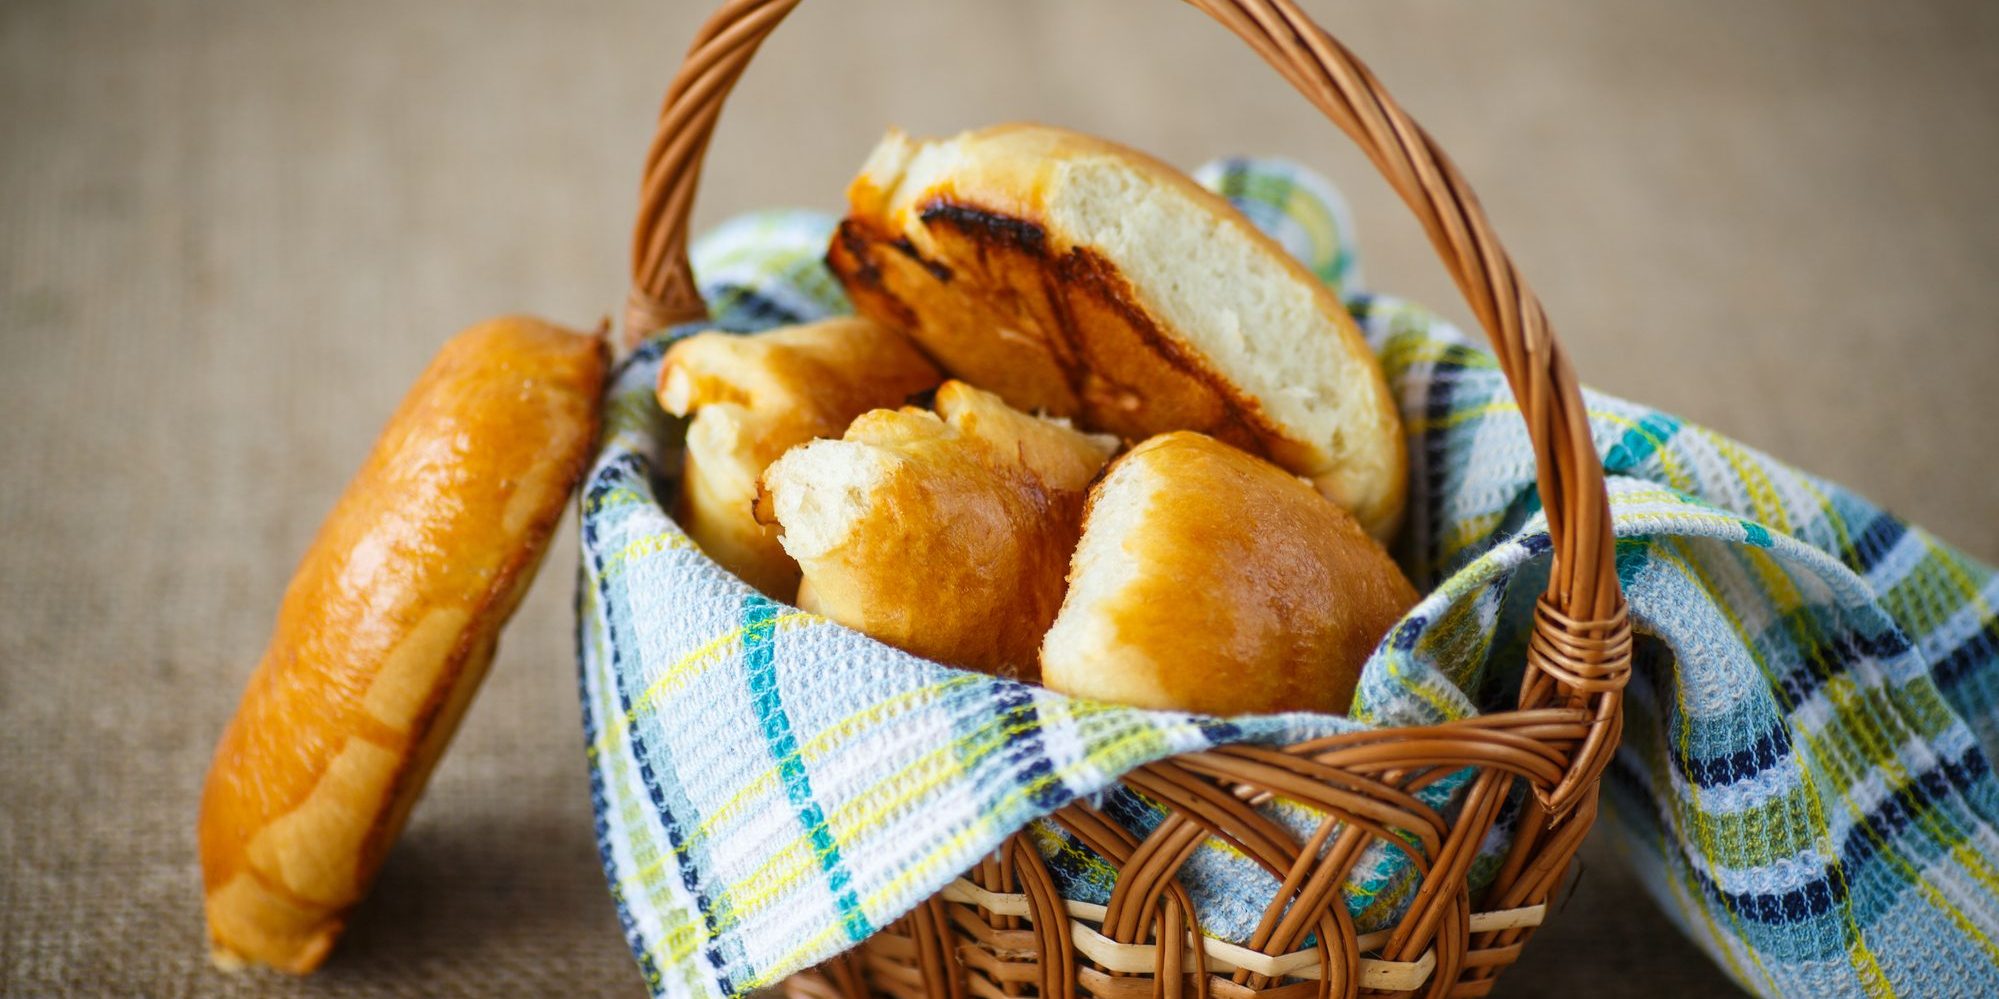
(947, 537)
(1210, 580)
(753, 397)
(1086, 280)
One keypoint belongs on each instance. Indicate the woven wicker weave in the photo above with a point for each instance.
(1002, 929)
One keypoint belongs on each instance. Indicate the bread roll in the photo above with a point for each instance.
(1210, 580)
(385, 632)
(1082, 279)
(1063, 457)
(755, 396)
(947, 537)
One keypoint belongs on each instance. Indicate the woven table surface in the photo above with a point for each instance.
(232, 232)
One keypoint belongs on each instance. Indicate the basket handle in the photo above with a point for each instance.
(1582, 652)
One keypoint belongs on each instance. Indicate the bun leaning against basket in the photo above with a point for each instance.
(1123, 335)
(385, 632)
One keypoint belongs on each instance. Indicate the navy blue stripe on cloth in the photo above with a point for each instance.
(634, 940)
(1220, 732)
(690, 877)
(1875, 542)
(648, 351)
(1070, 865)
(1972, 655)
(1436, 462)
(1909, 801)
(1813, 898)
(1829, 657)
(1015, 703)
(1770, 747)
(748, 306)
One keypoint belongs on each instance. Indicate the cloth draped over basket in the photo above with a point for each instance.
(1803, 783)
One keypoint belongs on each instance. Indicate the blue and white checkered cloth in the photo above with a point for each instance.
(1804, 780)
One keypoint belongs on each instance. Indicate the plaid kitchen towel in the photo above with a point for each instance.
(1803, 782)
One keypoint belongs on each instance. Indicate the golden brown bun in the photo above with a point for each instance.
(948, 538)
(1063, 457)
(1210, 580)
(384, 633)
(1082, 279)
(756, 396)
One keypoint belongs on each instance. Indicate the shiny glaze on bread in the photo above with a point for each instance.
(1210, 580)
(385, 632)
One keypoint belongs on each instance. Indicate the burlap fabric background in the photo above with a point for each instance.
(231, 232)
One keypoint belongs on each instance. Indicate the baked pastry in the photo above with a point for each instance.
(948, 536)
(1061, 456)
(755, 396)
(1082, 279)
(385, 632)
(1210, 580)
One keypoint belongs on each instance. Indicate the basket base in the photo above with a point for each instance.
(992, 956)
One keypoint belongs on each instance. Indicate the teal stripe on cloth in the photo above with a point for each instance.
(759, 649)
(1755, 534)
(1639, 443)
(1804, 784)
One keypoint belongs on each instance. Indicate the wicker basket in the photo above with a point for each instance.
(1003, 930)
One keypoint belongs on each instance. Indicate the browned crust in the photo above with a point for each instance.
(890, 280)
(983, 277)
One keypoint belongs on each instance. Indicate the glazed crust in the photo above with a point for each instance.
(970, 264)
(755, 396)
(815, 376)
(384, 633)
(1225, 586)
(1060, 456)
(989, 539)
(954, 539)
